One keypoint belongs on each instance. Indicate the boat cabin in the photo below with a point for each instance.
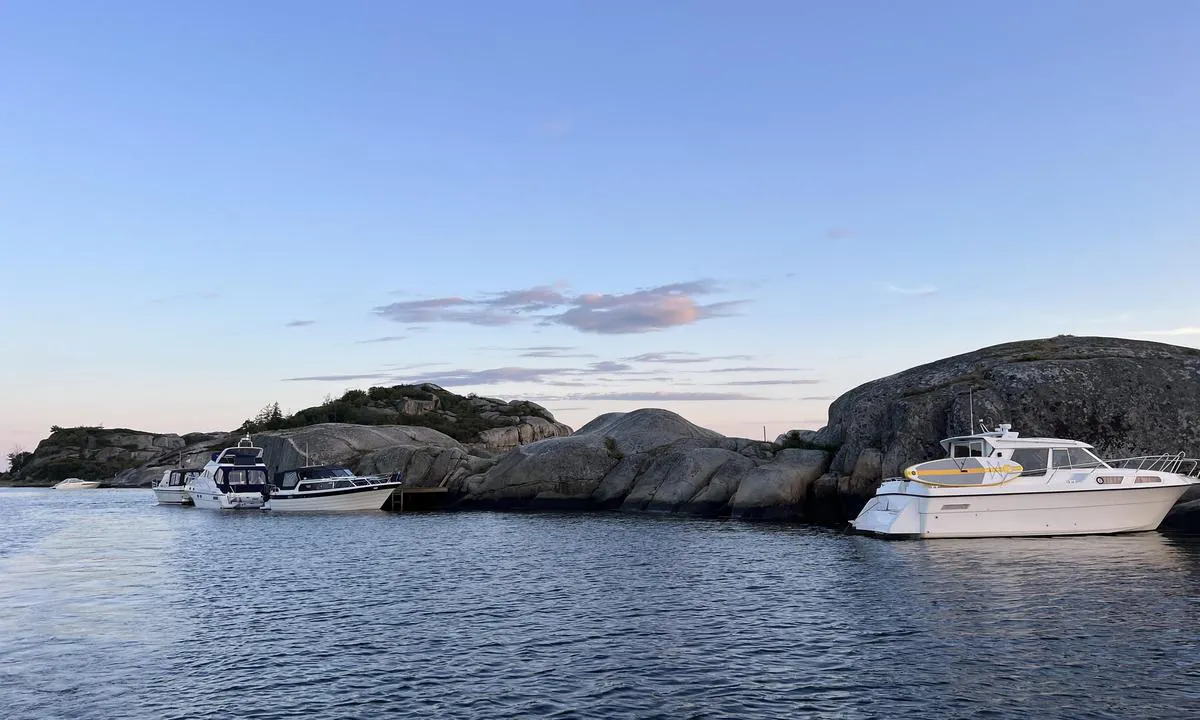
(1036, 455)
(180, 476)
(322, 477)
(239, 469)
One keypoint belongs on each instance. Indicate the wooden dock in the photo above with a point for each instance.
(417, 498)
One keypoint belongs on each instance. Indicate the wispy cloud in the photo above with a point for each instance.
(384, 339)
(542, 297)
(338, 378)
(447, 309)
(664, 396)
(682, 357)
(413, 366)
(641, 311)
(746, 369)
(1173, 332)
(553, 351)
(301, 323)
(817, 397)
(645, 310)
(490, 376)
(608, 366)
(918, 291)
(774, 382)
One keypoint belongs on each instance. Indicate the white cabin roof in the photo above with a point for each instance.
(1005, 438)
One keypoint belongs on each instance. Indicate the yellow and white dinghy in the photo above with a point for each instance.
(953, 472)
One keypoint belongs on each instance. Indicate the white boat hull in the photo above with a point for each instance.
(997, 514)
(227, 501)
(81, 485)
(355, 499)
(172, 496)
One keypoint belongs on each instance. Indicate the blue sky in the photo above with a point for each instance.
(733, 210)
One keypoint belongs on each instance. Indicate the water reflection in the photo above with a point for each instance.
(120, 608)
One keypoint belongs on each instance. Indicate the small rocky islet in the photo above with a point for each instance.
(1126, 397)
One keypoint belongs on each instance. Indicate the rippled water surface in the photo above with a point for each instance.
(114, 607)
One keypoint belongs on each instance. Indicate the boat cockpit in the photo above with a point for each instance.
(323, 477)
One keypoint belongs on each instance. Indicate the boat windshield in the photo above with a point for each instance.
(317, 473)
(1074, 458)
(968, 448)
(181, 477)
(241, 479)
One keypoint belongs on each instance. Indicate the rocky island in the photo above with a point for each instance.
(1126, 397)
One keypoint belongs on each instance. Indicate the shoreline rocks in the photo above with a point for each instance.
(1126, 397)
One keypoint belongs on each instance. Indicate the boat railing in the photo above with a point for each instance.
(1168, 463)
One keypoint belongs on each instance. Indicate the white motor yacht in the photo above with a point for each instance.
(324, 488)
(77, 484)
(234, 479)
(998, 484)
(169, 490)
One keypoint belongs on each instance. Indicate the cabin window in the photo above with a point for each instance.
(313, 486)
(289, 480)
(1081, 458)
(1074, 458)
(1033, 460)
(249, 476)
(974, 448)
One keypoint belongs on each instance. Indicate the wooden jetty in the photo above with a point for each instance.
(418, 498)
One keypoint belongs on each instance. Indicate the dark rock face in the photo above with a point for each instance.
(650, 460)
(477, 421)
(1126, 397)
(405, 428)
(425, 456)
(93, 453)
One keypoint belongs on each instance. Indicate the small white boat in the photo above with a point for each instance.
(77, 484)
(170, 489)
(998, 484)
(234, 479)
(325, 488)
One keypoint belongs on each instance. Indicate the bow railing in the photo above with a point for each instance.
(1177, 463)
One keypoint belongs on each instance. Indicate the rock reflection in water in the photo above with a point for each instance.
(116, 607)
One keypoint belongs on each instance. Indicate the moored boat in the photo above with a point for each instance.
(77, 484)
(326, 488)
(234, 479)
(998, 484)
(170, 489)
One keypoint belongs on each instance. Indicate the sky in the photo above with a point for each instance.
(733, 210)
